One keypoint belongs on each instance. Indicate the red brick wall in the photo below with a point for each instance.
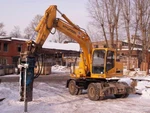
(12, 50)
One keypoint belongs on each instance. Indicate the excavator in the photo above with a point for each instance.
(97, 72)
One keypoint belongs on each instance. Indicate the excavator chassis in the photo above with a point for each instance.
(98, 89)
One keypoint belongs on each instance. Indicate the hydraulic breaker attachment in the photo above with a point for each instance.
(30, 63)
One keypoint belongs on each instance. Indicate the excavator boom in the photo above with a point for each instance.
(49, 21)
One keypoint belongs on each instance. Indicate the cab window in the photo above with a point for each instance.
(98, 61)
(110, 60)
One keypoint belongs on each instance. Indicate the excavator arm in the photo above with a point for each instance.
(49, 21)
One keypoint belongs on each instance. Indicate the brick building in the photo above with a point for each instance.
(11, 47)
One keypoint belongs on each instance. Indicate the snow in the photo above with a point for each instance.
(9, 38)
(60, 69)
(127, 80)
(53, 97)
(62, 46)
(144, 88)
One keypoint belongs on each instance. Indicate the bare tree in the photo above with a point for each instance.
(61, 37)
(16, 32)
(136, 16)
(112, 14)
(105, 15)
(2, 32)
(28, 33)
(96, 12)
(93, 33)
(135, 21)
(30, 30)
(143, 12)
(126, 11)
(144, 21)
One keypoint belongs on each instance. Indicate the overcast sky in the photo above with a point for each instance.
(21, 12)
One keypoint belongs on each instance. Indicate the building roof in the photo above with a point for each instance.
(133, 49)
(47, 44)
(62, 46)
(9, 38)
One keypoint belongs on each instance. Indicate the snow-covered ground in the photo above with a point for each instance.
(55, 98)
(60, 69)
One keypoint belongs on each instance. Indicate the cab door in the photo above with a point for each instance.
(98, 63)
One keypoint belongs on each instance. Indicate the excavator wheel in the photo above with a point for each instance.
(73, 90)
(93, 92)
(99, 86)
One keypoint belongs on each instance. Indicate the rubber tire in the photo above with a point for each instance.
(121, 95)
(125, 95)
(99, 86)
(79, 92)
(73, 90)
(93, 92)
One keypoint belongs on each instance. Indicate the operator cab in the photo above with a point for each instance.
(103, 58)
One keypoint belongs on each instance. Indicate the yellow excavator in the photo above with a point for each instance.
(96, 69)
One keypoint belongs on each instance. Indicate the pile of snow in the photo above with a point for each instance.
(137, 72)
(143, 86)
(60, 69)
(127, 80)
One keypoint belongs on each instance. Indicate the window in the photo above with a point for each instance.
(19, 48)
(110, 61)
(5, 48)
(98, 61)
(3, 61)
(0, 47)
(124, 44)
(95, 46)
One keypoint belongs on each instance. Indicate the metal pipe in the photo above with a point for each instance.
(25, 91)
